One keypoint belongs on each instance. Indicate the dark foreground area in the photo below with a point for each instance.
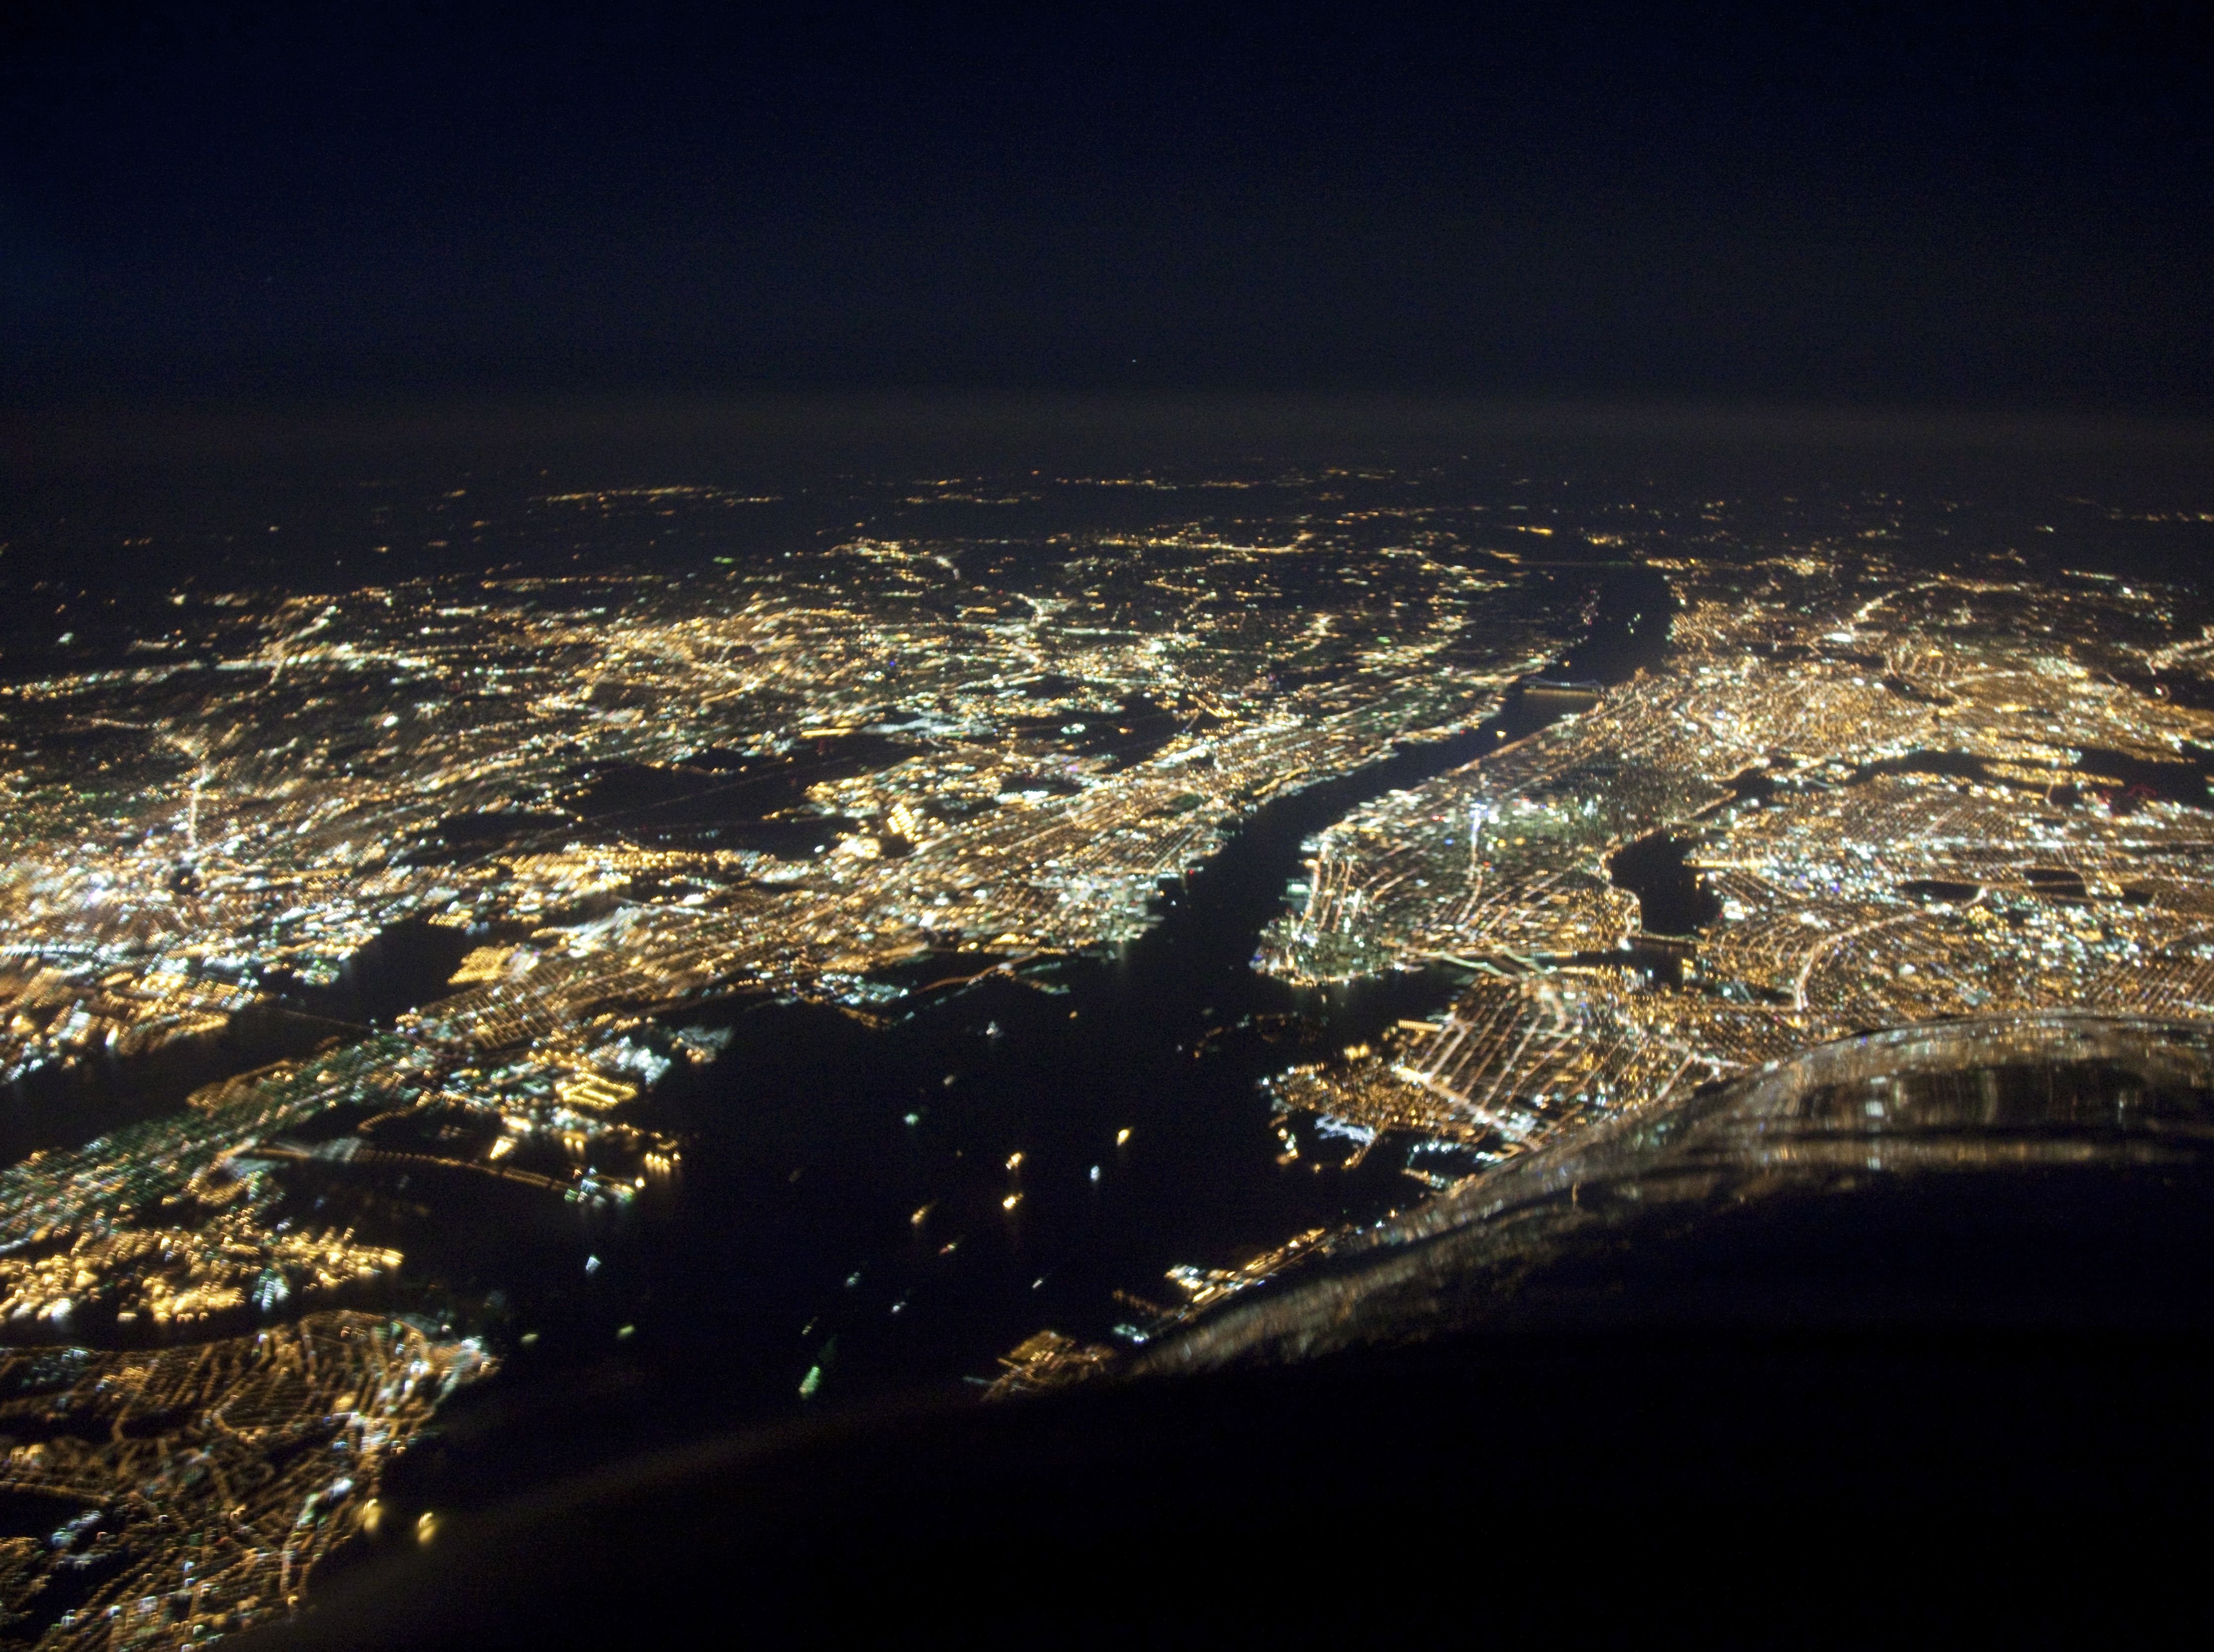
(1906, 1339)
(1756, 1488)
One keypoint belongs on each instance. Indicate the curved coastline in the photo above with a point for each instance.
(1802, 1126)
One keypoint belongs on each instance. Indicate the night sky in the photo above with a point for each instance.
(1875, 207)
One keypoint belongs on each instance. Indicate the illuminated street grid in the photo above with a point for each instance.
(194, 1486)
(627, 793)
(1042, 740)
(1871, 877)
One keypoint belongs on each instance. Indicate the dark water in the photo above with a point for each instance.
(57, 1107)
(842, 1208)
(1671, 899)
(2120, 780)
(1959, 766)
(1627, 620)
(1938, 889)
(723, 798)
(2126, 780)
(406, 965)
(789, 1243)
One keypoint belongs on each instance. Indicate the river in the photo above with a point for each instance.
(842, 1222)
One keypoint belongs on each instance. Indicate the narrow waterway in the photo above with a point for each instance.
(865, 1210)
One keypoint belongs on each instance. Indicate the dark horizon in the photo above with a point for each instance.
(1875, 209)
(90, 476)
